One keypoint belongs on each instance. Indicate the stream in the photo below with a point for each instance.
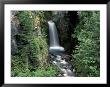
(65, 67)
(57, 52)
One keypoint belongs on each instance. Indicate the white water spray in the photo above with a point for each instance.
(54, 40)
(56, 50)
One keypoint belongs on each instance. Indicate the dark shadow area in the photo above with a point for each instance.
(65, 22)
(74, 20)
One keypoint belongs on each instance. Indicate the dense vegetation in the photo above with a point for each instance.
(87, 53)
(31, 57)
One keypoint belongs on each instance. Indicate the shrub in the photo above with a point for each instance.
(32, 54)
(87, 53)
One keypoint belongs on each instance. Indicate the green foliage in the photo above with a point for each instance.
(31, 58)
(32, 54)
(87, 53)
(51, 71)
(17, 65)
(26, 20)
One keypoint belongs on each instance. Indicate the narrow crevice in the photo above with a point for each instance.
(65, 23)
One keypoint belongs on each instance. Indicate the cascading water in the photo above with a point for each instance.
(57, 51)
(54, 40)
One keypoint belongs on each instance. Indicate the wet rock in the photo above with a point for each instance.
(14, 31)
(65, 67)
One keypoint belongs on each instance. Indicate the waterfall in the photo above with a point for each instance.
(54, 40)
(57, 51)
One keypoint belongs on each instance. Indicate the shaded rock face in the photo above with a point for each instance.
(65, 22)
(14, 31)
